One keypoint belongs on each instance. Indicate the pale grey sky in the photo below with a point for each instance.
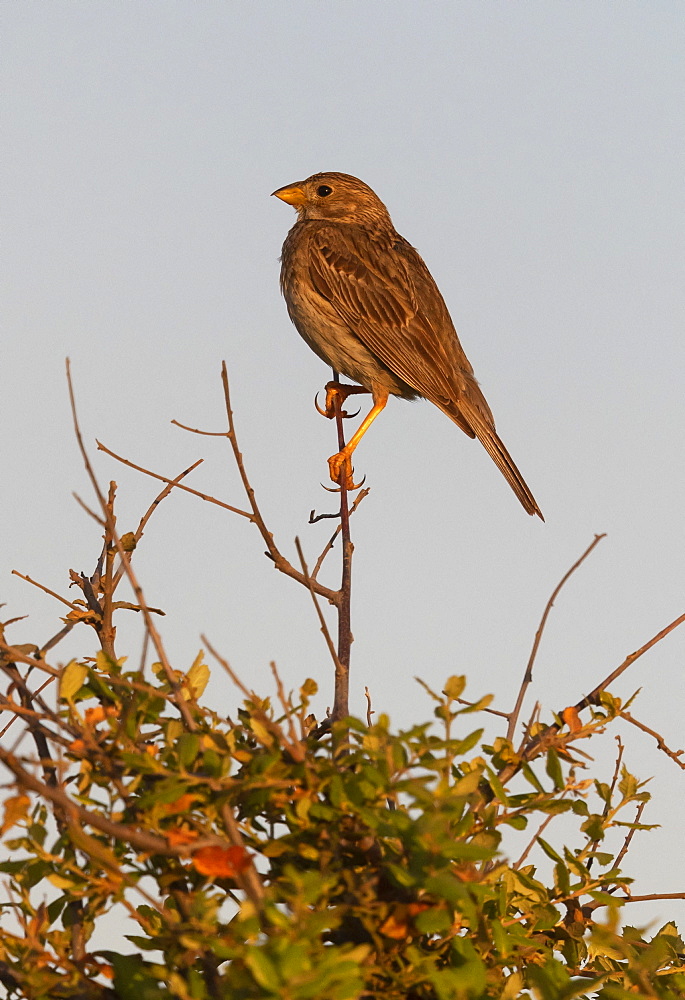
(533, 152)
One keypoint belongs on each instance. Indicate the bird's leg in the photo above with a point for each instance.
(338, 390)
(340, 465)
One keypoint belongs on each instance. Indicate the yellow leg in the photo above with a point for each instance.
(340, 465)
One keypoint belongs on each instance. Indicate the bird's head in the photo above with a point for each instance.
(338, 198)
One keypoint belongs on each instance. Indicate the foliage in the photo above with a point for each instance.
(256, 859)
(268, 856)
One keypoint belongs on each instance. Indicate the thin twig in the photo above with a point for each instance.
(607, 800)
(17, 655)
(286, 703)
(369, 710)
(491, 711)
(319, 612)
(196, 430)
(626, 843)
(342, 668)
(591, 699)
(249, 880)
(533, 841)
(179, 699)
(171, 482)
(329, 544)
(528, 674)
(138, 534)
(673, 754)
(139, 839)
(279, 561)
(46, 590)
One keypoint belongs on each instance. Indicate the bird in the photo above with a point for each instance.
(365, 302)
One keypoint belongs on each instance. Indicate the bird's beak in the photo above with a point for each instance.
(292, 194)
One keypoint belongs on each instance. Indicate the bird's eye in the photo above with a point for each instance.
(324, 191)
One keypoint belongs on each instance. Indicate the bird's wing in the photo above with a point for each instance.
(387, 297)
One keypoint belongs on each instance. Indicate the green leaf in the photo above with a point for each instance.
(460, 747)
(562, 878)
(198, 675)
(433, 921)
(263, 970)
(188, 746)
(71, 681)
(594, 827)
(134, 979)
(532, 778)
(454, 688)
(554, 770)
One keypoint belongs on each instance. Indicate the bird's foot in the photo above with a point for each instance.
(341, 471)
(337, 391)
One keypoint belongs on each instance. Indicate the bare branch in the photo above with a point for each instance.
(626, 843)
(46, 590)
(322, 620)
(179, 700)
(138, 534)
(329, 544)
(528, 675)
(534, 839)
(593, 697)
(673, 754)
(172, 482)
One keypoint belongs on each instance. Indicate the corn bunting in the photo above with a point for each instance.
(366, 303)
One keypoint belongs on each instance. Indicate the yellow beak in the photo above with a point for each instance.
(292, 194)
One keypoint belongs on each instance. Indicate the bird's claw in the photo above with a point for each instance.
(329, 409)
(342, 473)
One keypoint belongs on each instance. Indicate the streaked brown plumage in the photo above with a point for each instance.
(366, 303)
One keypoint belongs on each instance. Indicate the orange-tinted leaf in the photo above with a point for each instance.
(183, 804)
(97, 714)
(221, 862)
(572, 719)
(77, 746)
(16, 809)
(181, 835)
(396, 926)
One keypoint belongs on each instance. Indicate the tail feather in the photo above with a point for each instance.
(485, 431)
(505, 463)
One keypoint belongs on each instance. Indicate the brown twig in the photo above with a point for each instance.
(491, 711)
(673, 754)
(279, 561)
(593, 698)
(329, 544)
(528, 674)
(533, 841)
(626, 843)
(179, 699)
(607, 801)
(650, 896)
(140, 839)
(171, 482)
(322, 621)
(342, 668)
(46, 590)
(138, 534)
(369, 710)
(249, 880)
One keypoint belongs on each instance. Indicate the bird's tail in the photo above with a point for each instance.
(505, 463)
(484, 430)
